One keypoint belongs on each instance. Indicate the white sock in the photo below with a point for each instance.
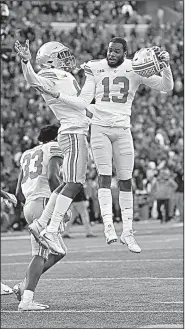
(126, 205)
(27, 296)
(48, 211)
(61, 206)
(105, 200)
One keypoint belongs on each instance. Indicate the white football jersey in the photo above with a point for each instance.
(71, 119)
(114, 90)
(34, 164)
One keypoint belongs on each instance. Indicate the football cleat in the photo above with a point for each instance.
(53, 241)
(110, 234)
(130, 241)
(31, 306)
(5, 290)
(19, 292)
(35, 228)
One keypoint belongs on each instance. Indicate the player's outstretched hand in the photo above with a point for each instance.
(23, 51)
(46, 91)
(164, 58)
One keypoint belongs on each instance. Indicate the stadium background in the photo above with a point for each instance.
(86, 27)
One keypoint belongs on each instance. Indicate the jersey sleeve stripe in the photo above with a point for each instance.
(88, 73)
(49, 75)
(144, 66)
(88, 70)
(56, 152)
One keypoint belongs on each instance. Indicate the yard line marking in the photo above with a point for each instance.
(104, 249)
(17, 254)
(100, 279)
(102, 261)
(24, 237)
(27, 237)
(170, 326)
(168, 302)
(91, 311)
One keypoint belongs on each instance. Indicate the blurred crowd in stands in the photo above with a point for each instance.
(157, 118)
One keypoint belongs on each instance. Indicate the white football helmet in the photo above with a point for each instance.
(55, 54)
(146, 62)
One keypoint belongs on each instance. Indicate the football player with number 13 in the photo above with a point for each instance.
(113, 82)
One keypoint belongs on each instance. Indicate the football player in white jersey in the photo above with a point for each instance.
(56, 63)
(39, 176)
(113, 83)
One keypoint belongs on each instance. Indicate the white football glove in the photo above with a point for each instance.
(164, 59)
(23, 52)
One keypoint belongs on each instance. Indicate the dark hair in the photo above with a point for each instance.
(48, 133)
(120, 40)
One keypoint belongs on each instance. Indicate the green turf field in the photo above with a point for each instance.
(101, 286)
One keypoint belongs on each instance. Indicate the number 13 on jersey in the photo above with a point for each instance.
(123, 91)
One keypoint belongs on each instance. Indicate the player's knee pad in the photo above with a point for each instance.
(104, 181)
(125, 174)
(125, 185)
(72, 189)
(104, 169)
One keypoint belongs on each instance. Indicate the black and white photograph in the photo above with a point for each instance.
(92, 164)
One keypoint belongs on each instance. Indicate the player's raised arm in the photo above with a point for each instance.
(149, 61)
(164, 83)
(31, 77)
(83, 100)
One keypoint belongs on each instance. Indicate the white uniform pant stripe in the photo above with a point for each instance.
(68, 161)
(74, 149)
(73, 157)
(76, 158)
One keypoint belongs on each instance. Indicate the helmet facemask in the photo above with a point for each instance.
(64, 60)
